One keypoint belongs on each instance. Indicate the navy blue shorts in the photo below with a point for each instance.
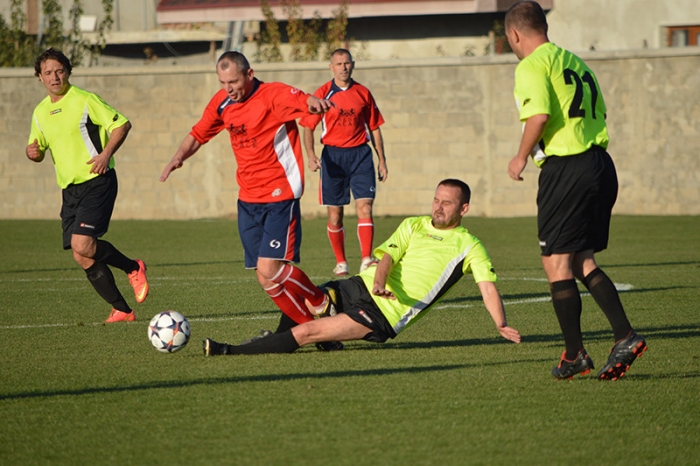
(87, 207)
(270, 231)
(343, 170)
(575, 199)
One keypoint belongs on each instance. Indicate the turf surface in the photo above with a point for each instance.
(448, 391)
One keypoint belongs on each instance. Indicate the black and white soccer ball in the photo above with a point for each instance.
(169, 331)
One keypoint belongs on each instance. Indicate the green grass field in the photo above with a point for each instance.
(448, 391)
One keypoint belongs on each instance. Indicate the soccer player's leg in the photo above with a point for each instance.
(86, 212)
(364, 186)
(334, 193)
(286, 284)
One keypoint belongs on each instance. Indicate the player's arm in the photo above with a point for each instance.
(532, 133)
(378, 144)
(100, 163)
(382, 273)
(494, 304)
(187, 148)
(314, 162)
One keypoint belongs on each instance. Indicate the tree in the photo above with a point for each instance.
(337, 28)
(18, 48)
(270, 39)
(306, 37)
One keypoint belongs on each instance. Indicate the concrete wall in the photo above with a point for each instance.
(445, 117)
(617, 25)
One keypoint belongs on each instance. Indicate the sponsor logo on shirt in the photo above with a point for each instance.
(347, 117)
(54, 112)
(116, 117)
(85, 225)
(434, 237)
(294, 90)
(277, 192)
(239, 138)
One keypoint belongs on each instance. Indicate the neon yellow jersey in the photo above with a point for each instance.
(427, 263)
(75, 129)
(556, 82)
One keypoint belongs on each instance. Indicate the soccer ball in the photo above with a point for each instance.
(169, 331)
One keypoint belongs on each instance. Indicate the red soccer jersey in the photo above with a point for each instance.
(264, 137)
(346, 125)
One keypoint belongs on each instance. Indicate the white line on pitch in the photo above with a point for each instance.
(619, 286)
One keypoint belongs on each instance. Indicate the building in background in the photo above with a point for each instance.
(196, 31)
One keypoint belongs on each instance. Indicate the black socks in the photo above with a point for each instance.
(110, 255)
(567, 305)
(605, 294)
(102, 280)
(275, 343)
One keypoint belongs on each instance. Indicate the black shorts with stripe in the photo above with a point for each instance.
(87, 207)
(353, 299)
(574, 202)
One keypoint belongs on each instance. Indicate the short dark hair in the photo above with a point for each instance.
(52, 54)
(466, 193)
(237, 58)
(341, 52)
(527, 15)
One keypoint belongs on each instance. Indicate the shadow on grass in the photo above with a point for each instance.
(252, 378)
(650, 264)
(692, 330)
(174, 264)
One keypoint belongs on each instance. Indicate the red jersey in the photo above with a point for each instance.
(264, 137)
(346, 125)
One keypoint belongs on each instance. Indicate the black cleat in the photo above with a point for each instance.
(568, 369)
(213, 348)
(263, 334)
(330, 346)
(622, 356)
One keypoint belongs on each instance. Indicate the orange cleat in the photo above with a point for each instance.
(138, 281)
(119, 316)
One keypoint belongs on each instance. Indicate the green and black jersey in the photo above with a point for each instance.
(556, 82)
(427, 263)
(74, 129)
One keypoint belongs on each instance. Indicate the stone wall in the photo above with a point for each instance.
(445, 117)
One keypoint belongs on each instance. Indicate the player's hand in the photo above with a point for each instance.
(314, 163)
(516, 167)
(169, 168)
(383, 172)
(100, 164)
(317, 105)
(382, 292)
(34, 152)
(509, 333)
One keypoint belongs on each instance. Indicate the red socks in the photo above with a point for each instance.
(365, 233)
(337, 237)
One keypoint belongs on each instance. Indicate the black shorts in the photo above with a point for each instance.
(87, 207)
(574, 202)
(354, 300)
